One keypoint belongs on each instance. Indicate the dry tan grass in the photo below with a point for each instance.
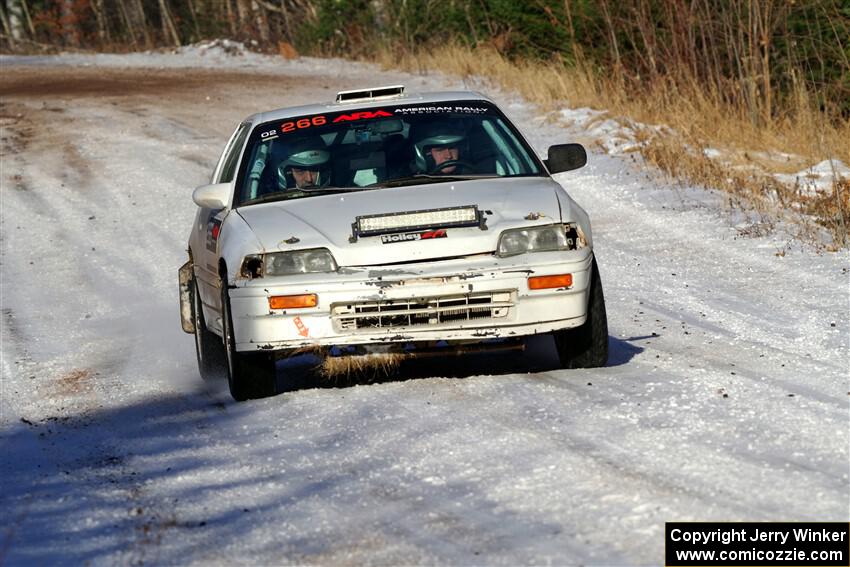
(75, 382)
(800, 137)
(378, 365)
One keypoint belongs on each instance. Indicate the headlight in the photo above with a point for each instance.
(537, 239)
(299, 262)
(287, 263)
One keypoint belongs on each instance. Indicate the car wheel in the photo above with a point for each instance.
(208, 346)
(249, 374)
(587, 346)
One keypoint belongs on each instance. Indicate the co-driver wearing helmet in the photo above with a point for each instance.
(308, 165)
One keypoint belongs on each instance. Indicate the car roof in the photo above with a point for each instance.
(402, 99)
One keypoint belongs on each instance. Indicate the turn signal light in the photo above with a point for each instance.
(293, 301)
(548, 282)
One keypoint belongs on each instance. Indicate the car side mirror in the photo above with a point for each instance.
(566, 157)
(211, 196)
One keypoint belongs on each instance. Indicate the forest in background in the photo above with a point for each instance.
(765, 75)
(755, 53)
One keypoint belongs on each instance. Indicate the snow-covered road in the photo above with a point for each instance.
(726, 397)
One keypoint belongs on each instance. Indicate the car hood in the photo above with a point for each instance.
(325, 221)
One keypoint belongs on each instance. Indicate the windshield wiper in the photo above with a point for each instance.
(328, 189)
(420, 177)
(297, 193)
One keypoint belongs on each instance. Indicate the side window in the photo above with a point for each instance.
(224, 154)
(512, 161)
(227, 168)
(507, 158)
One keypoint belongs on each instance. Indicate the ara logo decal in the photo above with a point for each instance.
(411, 236)
(365, 115)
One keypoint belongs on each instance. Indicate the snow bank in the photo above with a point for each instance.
(615, 137)
(618, 138)
(221, 54)
(819, 178)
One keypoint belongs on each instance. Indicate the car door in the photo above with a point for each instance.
(205, 245)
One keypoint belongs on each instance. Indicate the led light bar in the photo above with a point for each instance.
(371, 225)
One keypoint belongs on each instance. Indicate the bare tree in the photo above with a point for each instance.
(609, 24)
(231, 19)
(168, 27)
(194, 12)
(128, 24)
(15, 21)
(243, 11)
(260, 21)
(30, 27)
(100, 16)
(282, 10)
(137, 14)
(5, 20)
(69, 24)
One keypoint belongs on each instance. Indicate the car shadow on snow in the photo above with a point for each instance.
(621, 351)
(539, 355)
(183, 477)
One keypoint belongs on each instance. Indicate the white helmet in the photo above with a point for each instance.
(306, 153)
(431, 135)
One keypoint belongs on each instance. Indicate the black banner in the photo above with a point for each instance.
(762, 544)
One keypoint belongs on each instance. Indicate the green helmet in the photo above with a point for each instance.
(306, 153)
(435, 134)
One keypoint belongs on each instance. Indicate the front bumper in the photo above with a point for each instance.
(464, 299)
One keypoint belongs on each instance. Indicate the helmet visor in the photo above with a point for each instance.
(309, 159)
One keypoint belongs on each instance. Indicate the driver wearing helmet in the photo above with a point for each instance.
(308, 165)
(439, 147)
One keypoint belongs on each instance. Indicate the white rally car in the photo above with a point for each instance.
(386, 222)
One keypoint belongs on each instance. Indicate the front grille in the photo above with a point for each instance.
(421, 311)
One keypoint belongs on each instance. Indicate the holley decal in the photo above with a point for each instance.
(412, 236)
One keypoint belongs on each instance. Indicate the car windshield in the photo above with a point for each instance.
(380, 147)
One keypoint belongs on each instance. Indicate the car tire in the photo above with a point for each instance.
(209, 347)
(250, 375)
(586, 346)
